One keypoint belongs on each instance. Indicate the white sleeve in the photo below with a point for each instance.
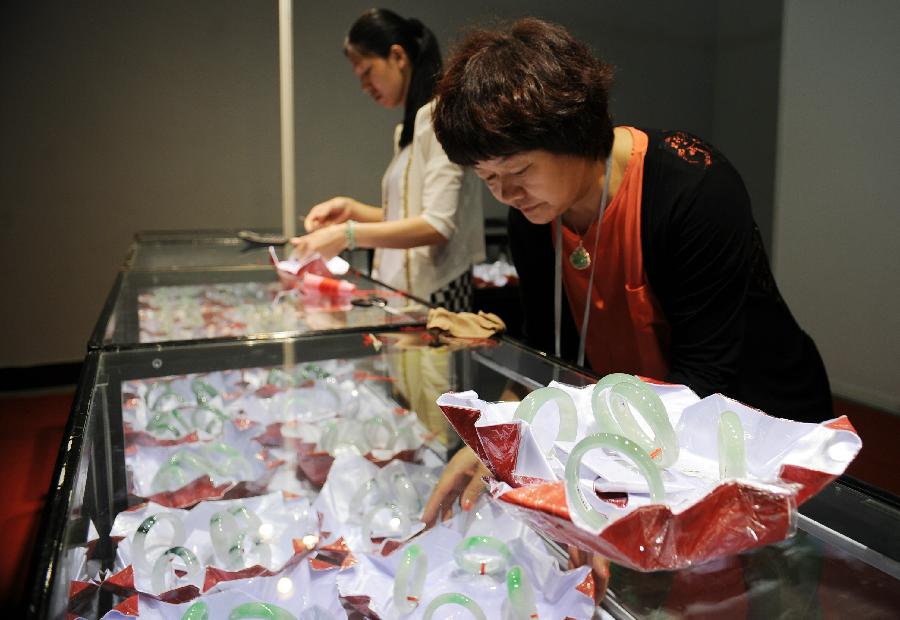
(442, 179)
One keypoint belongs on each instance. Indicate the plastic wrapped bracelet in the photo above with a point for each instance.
(161, 397)
(367, 496)
(610, 405)
(165, 578)
(405, 493)
(260, 611)
(178, 470)
(233, 465)
(568, 416)
(732, 453)
(197, 611)
(379, 433)
(482, 555)
(454, 598)
(203, 391)
(162, 422)
(575, 499)
(398, 523)
(139, 546)
(408, 592)
(520, 593)
(208, 419)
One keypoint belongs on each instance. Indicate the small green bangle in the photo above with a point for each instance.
(348, 233)
(260, 611)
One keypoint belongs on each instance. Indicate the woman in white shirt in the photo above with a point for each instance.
(430, 228)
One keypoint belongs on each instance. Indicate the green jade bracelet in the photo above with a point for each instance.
(454, 598)
(197, 611)
(482, 555)
(522, 604)
(568, 415)
(163, 568)
(575, 499)
(732, 452)
(610, 400)
(139, 545)
(260, 611)
(203, 391)
(408, 592)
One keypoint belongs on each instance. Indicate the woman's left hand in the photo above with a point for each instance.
(328, 242)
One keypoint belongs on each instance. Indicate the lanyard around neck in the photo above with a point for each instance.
(557, 289)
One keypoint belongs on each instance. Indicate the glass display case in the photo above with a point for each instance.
(228, 420)
(193, 249)
(226, 431)
(151, 307)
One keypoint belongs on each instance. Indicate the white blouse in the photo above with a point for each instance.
(421, 180)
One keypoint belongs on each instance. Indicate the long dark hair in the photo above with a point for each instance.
(373, 34)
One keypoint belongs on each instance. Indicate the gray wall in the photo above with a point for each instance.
(133, 115)
(837, 219)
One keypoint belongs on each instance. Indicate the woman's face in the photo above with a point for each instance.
(385, 80)
(540, 184)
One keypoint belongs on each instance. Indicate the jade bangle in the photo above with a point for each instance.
(405, 493)
(568, 416)
(234, 464)
(482, 555)
(377, 427)
(260, 611)
(208, 419)
(279, 378)
(360, 501)
(732, 452)
(520, 593)
(203, 391)
(610, 406)
(197, 611)
(139, 546)
(161, 422)
(575, 499)
(408, 593)
(163, 569)
(454, 598)
(399, 522)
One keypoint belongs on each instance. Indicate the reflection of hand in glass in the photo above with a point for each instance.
(326, 320)
(460, 479)
(599, 566)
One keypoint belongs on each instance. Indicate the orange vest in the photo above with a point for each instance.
(627, 331)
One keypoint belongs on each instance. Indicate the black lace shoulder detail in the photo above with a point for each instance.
(689, 148)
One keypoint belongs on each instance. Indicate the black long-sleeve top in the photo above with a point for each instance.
(731, 331)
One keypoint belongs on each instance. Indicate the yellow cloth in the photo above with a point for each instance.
(465, 324)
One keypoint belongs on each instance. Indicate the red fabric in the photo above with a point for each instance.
(29, 446)
(627, 331)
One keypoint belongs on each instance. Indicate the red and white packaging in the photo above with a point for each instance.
(703, 518)
(292, 271)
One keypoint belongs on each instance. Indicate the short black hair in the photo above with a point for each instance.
(531, 86)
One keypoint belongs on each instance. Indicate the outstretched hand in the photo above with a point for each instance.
(328, 242)
(461, 479)
(334, 211)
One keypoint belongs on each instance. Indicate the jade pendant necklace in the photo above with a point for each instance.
(580, 259)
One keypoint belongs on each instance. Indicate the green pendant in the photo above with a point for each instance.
(580, 258)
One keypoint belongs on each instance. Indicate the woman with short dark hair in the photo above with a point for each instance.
(423, 243)
(649, 233)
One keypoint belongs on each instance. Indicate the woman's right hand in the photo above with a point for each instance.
(335, 211)
(461, 479)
